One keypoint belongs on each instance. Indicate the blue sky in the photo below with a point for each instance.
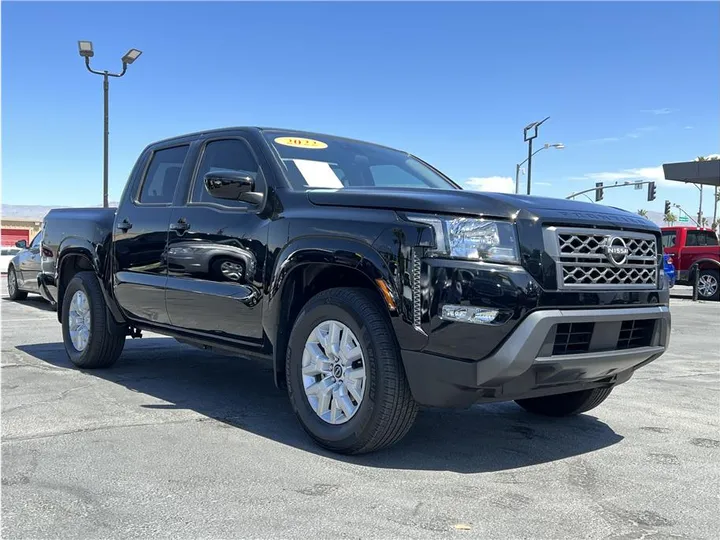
(628, 86)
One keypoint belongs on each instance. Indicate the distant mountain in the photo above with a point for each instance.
(656, 217)
(30, 211)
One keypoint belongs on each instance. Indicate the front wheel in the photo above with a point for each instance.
(345, 377)
(14, 291)
(568, 404)
(91, 339)
(709, 285)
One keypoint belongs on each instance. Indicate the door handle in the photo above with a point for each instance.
(124, 225)
(180, 225)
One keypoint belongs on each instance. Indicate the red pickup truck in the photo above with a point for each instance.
(690, 245)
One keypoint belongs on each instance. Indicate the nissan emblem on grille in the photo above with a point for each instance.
(594, 258)
(616, 250)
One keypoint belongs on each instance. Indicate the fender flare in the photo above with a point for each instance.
(75, 246)
(712, 263)
(337, 251)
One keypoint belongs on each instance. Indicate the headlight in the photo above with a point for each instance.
(472, 238)
(182, 251)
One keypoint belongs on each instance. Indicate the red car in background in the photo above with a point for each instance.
(690, 245)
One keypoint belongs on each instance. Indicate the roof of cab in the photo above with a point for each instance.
(258, 129)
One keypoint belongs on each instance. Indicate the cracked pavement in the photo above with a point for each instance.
(174, 442)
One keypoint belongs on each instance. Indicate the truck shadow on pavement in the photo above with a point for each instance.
(32, 301)
(241, 394)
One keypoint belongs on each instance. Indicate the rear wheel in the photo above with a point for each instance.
(709, 285)
(14, 291)
(91, 339)
(345, 377)
(565, 404)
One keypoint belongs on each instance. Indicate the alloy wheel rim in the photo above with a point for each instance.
(12, 282)
(79, 320)
(333, 372)
(707, 286)
(231, 270)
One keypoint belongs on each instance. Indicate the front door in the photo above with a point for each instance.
(29, 264)
(216, 251)
(141, 231)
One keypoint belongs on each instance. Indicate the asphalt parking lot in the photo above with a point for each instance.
(176, 443)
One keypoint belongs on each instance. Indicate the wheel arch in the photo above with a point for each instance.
(303, 269)
(79, 258)
(705, 263)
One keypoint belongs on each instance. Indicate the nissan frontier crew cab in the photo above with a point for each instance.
(371, 282)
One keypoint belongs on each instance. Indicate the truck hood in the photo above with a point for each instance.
(500, 205)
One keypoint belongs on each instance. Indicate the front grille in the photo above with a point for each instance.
(593, 258)
(636, 333)
(573, 338)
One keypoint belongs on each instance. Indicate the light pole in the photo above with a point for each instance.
(559, 146)
(86, 51)
(534, 126)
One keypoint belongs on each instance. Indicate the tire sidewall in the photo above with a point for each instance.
(716, 275)
(11, 275)
(351, 431)
(79, 357)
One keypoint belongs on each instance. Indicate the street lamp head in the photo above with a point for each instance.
(559, 146)
(131, 56)
(533, 126)
(85, 49)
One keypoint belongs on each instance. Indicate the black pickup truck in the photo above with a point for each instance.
(371, 281)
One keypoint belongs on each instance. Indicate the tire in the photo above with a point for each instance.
(14, 291)
(386, 410)
(709, 285)
(569, 404)
(106, 338)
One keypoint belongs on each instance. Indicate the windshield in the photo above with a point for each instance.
(321, 161)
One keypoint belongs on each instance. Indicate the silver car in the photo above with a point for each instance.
(23, 269)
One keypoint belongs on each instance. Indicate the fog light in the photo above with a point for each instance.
(469, 314)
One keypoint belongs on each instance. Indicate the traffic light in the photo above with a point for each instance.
(598, 191)
(652, 191)
(667, 207)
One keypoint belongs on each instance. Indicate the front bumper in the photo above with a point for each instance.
(525, 364)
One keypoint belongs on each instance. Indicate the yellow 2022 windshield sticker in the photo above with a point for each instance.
(299, 142)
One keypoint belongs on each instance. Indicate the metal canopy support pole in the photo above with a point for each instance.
(699, 219)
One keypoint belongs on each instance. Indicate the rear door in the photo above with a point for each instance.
(698, 245)
(141, 230)
(217, 249)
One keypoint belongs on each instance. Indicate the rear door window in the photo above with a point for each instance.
(163, 175)
(710, 238)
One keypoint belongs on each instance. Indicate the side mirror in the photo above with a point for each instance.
(229, 184)
(22, 244)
